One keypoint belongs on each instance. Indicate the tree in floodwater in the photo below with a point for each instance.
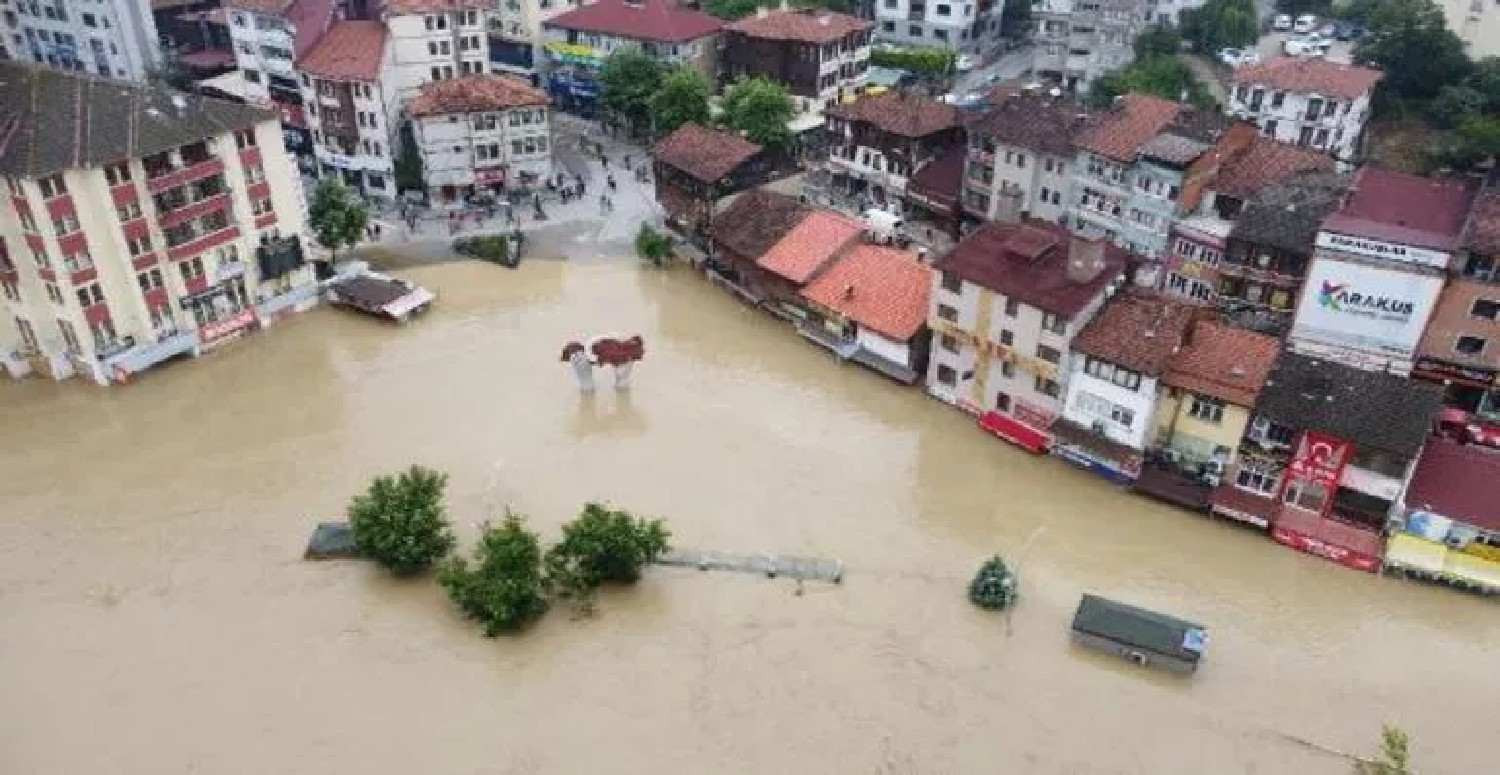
(1395, 757)
(504, 589)
(603, 545)
(336, 215)
(401, 522)
(994, 586)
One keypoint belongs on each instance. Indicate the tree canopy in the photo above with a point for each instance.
(1158, 39)
(504, 588)
(627, 82)
(603, 545)
(1159, 74)
(760, 108)
(1411, 42)
(1221, 24)
(683, 98)
(927, 62)
(408, 166)
(336, 215)
(401, 522)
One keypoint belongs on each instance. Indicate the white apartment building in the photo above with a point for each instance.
(434, 41)
(269, 37)
(955, 24)
(481, 132)
(515, 28)
(112, 38)
(1005, 306)
(119, 250)
(1079, 40)
(1307, 101)
(1477, 24)
(350, 110)
(1018, 160)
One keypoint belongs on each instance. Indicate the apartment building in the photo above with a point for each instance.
(877, 142)
(1018, 159)
(1007, 303)
(349, 108)
(818, 55)
(480, 133)
(433, 40)
(111, 38)
(579, 40)
(515, 30)
(269, 37)
(140, 224)
(970, 26)
(1307, 101)
(1476, 23)
(1079, 40)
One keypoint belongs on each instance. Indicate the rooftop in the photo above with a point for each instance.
(806, 25)
(1482, 234)
(940, 179)
(756, 220)
(810, 245)
(1223, 361)
(474, 94)
(1311, 75)
(350, 51)
(1033, 121)
(1406, 209)
(51, 121)
(1138, 330)
(880, 288)
(397, 7)
(1029, 262)
(1265, 162)
(662, 21)
(1120, 132)
(1457, 481)
(1287, 215)
(1369, 408)
(907, 115)
(706, 154)
(1138, 627)
(1174, 149)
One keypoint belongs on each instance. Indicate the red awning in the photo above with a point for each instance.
(1015, 432)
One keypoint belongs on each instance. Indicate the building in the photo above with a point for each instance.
(870, 306)
(433, 40)
(195, 35)
(954, 25)
(745, 226)
(798, 258)
(1210, 388)
(269, 37)
(1114, 378)
(1079, 40)
(478, 133)
(1461, 346)
(1198, 239)
(1018, 158)
(1308, 101)
(115, 39)
(696, 166)
(1447, 523)
(141, 224)
(1141, 636)
(347, 107)
(1007, 303)
(515, 30)
(818, 55)
(578, 41)
(1379, 264)
(1269, 248)
(1326, 456)
(877, 142)
(1476, 23)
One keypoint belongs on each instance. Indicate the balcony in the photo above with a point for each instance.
(228, 270)
(188, 211)
(164, 177)
(201, 242)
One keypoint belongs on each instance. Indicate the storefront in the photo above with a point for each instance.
(221, 312)
(1308, 494)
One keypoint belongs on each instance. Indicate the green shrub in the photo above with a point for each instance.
(603, 545)
(930, 62)
(401, 522)
(494, 248)
(651, 245)
(994, 586)
(504, 589)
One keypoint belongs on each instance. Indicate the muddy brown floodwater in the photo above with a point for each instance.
(155, 616)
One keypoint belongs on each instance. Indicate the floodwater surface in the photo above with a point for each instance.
(156, 617)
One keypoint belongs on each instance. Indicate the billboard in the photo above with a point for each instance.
(1365, 308)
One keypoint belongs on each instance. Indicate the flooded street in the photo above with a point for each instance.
(156, 617)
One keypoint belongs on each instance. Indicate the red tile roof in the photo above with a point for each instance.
(1138, 330)
(1120, 132)
(1458, 482)
(1406, 209)
(350, 51)
(1483, 231)
(940, 180)
(882, 289)
(1311, 75)
(1265, 162)
(1029, 262)
(907, 115)
(706, 154)
(809, 245)
(655, 20)
(474, 93)
(807, 26)
(1222, 361)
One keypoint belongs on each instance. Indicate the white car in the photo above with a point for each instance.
(964, 63)
(1308, 46)
(1305, 23)
(1283, 23)
(1231, 56)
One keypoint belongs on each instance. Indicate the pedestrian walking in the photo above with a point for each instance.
(603, 204)
(610, 180)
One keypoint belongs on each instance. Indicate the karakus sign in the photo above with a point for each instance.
(1364, 307)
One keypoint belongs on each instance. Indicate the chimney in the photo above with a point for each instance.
(1085, 258)
(1008, 205)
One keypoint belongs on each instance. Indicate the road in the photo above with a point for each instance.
(1012, 64)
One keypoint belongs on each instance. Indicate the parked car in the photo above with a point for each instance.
(1305, 23)
(1312, 45)
(1230, 56)
(1328, 30)
(1283, 23)
(1249, 57)
(964, 63)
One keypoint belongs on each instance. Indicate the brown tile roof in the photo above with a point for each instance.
(755, 220)
(473, 94)
(1029, 262)
(1138, 330)
(940, 179)
(1458, 482)
(350, 51)
(1482, 234)
(654, 20)
(1222, 361)
(1033, 121)
(881, 288)
(397, 7)
(810, 245)
(1406, 209)
(1314, 75)
(1264, 163)
(807, 26)
(907, 115)
(1119, 133)
(706, 154)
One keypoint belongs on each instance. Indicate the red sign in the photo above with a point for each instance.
(1316, 546)
(1033, 415)
(485, 177)
(218, 329)
(1320, 458)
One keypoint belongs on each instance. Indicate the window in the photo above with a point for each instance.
(1307, 494)
(915, 30)
(1207, 409)
(1277, 99)
(1047, 387)
(66, 224)
(1270, 128)
(948, 342)
(129, 211)
(1056, 324)
(244, 138)
(90, 294)
(1048, 354)
(260, 206)
(1489, 309)
(954, 284)
(1257, 476)
(27, 222)
(947, 313)
(191, 269)
(1002, 401)
(139, 245)
(1007, 337)
(888, 26)
(116, 174)
(1117, 375)
(149, 280)
(1012, 307)
(53, 294)
(254, 174)
(70, 337)
(51, 186)
(946, 375)
(1469, 345)
(253, 76)
(11, 291)
(944, 9)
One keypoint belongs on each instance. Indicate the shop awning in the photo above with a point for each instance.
(1471, 569)
(1015, 432)
(1412, 553)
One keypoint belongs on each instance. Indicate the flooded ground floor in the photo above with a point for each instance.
(155, 616)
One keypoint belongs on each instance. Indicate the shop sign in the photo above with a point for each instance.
(1375, 248)
(209, 333)
(1317, 547)
(1362, 307)
(1433, 368)
(1320, 458)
